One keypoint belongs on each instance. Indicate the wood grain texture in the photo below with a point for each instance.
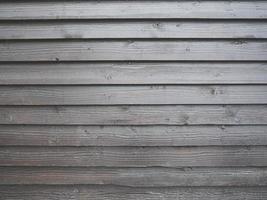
(134, 100)
(85, 192)
(133, 9)
(31, 135)
(134, 115)
(132, 73)
(254, 156)
(180, 50)
(135, 177)
(132, 95)
(133, 29)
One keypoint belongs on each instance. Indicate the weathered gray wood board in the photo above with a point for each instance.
(133, 9)
(133, 73)
(36, 135)
(133, 29)
(135, 115)
(133, 100)
(180, 50)
(132, 95)
(85, 192)
(135, 177)
(233, 156)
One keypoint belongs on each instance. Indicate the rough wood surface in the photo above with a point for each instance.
(133, 73)
(254, 156)
(31, 135)
(82, 192)
(133, 9)
(132, 95)
(135, 115)
(135, 177)
(134, 50)
(133, 100)
(133, 29)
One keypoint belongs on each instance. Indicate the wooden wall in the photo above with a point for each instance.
(133, 100)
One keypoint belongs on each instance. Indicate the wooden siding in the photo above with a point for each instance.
(136, 177)
(132, 95)
(135, 29)
(134, 156)
(135, 115)
(85, 192)
(97, 73)
(134, 9)
(133, 100)
(134, 50)
(153, 135)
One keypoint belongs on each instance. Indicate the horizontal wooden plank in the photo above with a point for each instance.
(133, 9)
(135, 156)
(133, 50)
(132, 95)
(135, 177)
(31, 135)
(133, 73)
(134, 115)
(133, 29)
(85, 192)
